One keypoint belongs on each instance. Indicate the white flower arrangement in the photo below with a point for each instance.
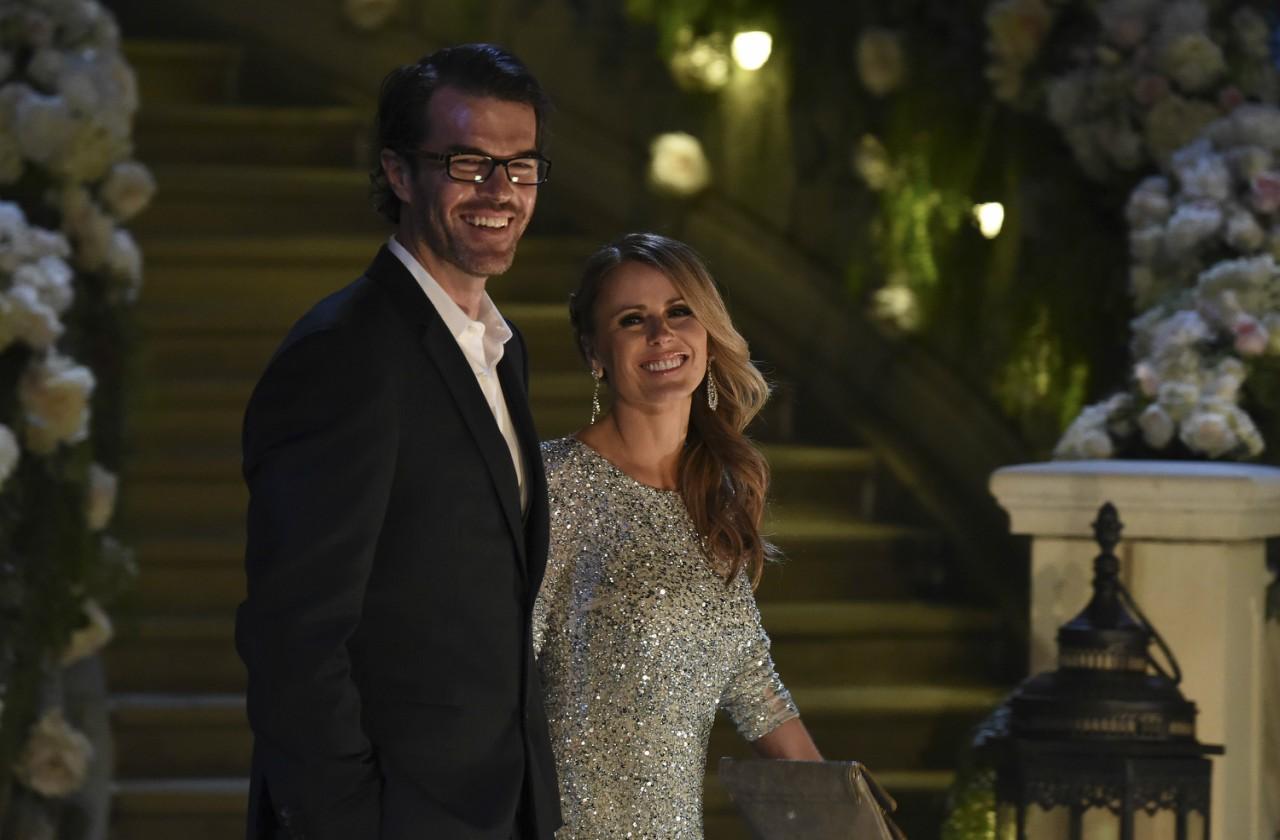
(56, 758)
(1204, 243)
(1145, 82)
(678, 166)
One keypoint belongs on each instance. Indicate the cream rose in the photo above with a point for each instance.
(678, 166)
(92, 637)
(54, 394)
(56, 758)
(102, 497)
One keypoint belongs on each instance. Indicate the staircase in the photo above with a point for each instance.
(262, 211)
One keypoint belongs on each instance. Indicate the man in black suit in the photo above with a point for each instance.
(397, 527)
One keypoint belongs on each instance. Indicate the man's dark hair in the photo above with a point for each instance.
(474, 69)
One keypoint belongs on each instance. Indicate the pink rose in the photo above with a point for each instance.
(1229, 97)
(1251, 337)
(1265, 191)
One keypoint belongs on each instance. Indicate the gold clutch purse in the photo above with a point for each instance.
(812, 800)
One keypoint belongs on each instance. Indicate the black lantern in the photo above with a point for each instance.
(1104, 748)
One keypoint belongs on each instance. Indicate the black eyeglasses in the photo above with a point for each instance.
(525, 170)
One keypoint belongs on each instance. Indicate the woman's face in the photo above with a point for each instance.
(652, 348)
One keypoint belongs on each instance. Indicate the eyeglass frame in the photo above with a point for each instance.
(447, 159)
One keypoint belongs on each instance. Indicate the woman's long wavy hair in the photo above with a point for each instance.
(723, 477)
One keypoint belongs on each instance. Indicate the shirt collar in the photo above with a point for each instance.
(457, 321)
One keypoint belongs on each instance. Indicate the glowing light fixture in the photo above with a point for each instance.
(751, 49)
(990, 218)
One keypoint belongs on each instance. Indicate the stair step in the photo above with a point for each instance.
(882, 642)
(188, 653)
(180, 735)
(286, 136)
(184, 72)
(193, 809)
(236, 200)
(887, 727)
(260, 269)
(832, 557)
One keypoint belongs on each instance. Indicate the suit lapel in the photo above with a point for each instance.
(443, 351)
(522, 418)
(447, 356)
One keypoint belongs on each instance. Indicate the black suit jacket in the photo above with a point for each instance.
(391, 578)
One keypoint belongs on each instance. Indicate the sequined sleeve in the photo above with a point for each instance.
(557, 551)
(755, 699)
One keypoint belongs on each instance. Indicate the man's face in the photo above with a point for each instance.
(468, 228)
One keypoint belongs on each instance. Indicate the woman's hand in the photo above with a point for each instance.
(790, 740)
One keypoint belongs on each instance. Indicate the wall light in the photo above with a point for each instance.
(751, 49)
(990, 218)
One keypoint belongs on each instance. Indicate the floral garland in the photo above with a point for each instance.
(69, 274)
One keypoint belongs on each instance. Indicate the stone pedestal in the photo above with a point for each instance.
(1193, 555)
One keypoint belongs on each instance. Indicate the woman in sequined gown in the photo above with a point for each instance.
(646, 623)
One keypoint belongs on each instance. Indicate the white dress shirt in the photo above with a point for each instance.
(482, 343)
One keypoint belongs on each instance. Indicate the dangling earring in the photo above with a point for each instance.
(713, 394)
(597, 375)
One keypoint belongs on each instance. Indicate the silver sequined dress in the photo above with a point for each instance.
(639, 643)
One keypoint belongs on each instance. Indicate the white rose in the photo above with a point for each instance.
(91, 638)
(1202, 174)
(102, 497)
(15, 237)
(1208, 432)
(56, 758)
(124, 262)
(54, 394)
(1146, 378)
(29, 318)
(1228, 376)
(1243, 232)
(880, 61)
(368, 14)
(51, 278)
(10, 453)
(1144, 243)
(49, 243)
(1178, 398)
(87, 226)
(678, 166)
(1149, 202)
(45, 128)
(1157, 426)
(1191, 226)
(128, 189)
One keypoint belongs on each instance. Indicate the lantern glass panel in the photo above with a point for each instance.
(1099, 824)
(1163, 825)
(1053, 823)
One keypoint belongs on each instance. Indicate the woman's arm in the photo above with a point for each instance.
(789, 740)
